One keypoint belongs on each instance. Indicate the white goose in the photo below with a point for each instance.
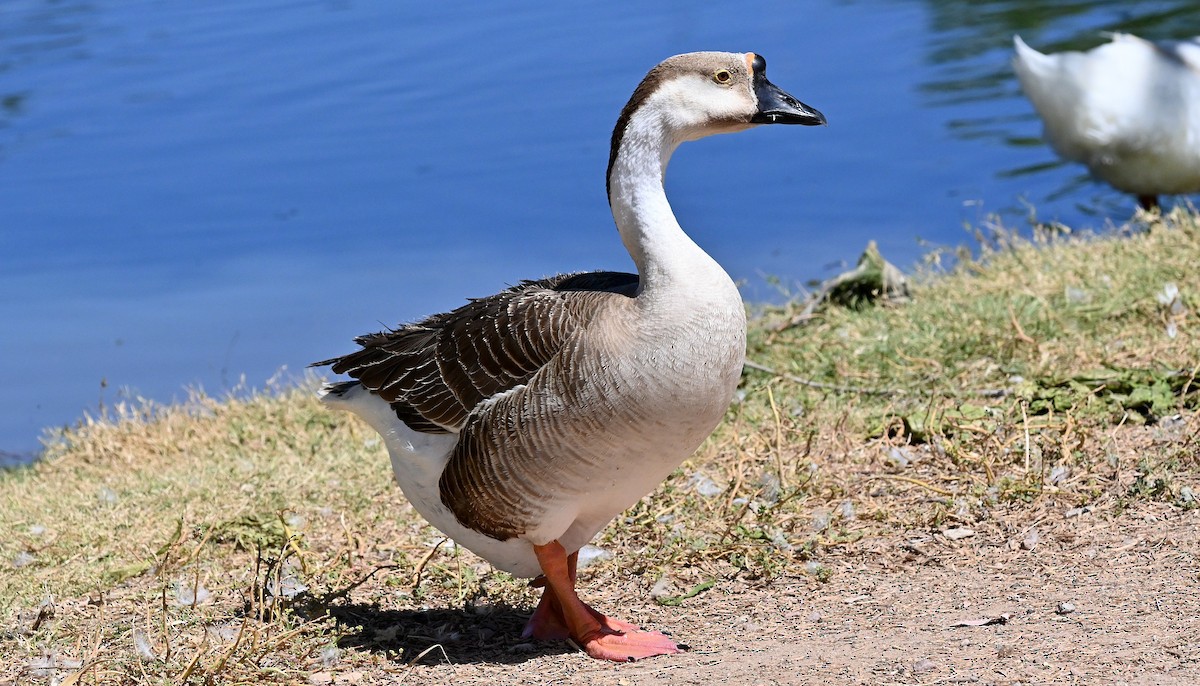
(521, 423)
(1128, 109)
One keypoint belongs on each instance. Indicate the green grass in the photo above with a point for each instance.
(1026, 316)
(1004, 383)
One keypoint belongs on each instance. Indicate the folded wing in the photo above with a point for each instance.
(436, 371)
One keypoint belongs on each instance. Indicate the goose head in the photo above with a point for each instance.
(699, 94)
(703, 93)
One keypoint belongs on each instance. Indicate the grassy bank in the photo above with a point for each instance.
(251, 539)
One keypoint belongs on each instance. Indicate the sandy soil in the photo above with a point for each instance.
(1033, 593)
(1100, 598)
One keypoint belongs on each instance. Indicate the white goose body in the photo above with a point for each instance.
(522, 423)
(1128, 109)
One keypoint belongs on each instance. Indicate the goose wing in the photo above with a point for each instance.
(435, 371)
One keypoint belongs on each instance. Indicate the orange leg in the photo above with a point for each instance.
(561, 613)
(548, 622)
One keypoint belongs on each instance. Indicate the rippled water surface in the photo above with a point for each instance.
(193, 194)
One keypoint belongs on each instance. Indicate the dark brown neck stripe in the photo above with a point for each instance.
(648, 85)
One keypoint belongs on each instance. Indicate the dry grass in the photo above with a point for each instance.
(260, 539)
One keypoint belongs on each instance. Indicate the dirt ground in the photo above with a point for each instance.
(1038, 592)
(1098, 598)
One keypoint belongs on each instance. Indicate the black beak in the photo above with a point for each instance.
(777, 107)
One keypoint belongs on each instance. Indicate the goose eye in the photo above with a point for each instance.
(722, 76)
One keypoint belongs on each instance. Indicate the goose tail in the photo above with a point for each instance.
(1029, 62)
(1053, 92)
(339, 393)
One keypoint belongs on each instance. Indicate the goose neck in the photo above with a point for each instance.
(663, 253)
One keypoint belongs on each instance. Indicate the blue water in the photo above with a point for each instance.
(197, 195)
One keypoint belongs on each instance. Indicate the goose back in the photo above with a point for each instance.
(436, 371)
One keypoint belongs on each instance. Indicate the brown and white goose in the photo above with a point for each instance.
(520, 424)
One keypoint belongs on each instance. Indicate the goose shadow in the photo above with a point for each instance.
(466, 636)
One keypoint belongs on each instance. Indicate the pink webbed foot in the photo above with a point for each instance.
(611, 623)
(627, 645)
(560, 612)
(547, 623)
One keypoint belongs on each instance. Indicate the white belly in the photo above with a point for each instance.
(417, 462)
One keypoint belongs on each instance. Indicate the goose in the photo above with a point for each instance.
(1128, 109)
(521, 423)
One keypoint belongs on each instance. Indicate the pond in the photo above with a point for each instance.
(215, 196)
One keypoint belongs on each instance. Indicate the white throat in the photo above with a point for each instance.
(665, 256)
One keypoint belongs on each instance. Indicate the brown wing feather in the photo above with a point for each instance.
(435, 371)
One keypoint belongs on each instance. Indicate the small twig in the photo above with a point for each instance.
(196, 589)
(807, 313)
(732, 522)
(982, 392)
(45, 611)
(290, 544)
(424, 561)
(1183, 448)
(335, 595)
(778, 438)
(220, 664)
(1187, 386)
(413, 662)
(192, 555)
(428, 650)
(815, 300)
(166, 636)
(278, 640)
(873, 272)
(257, 589)
(817, 384)
(917, 482)
(1025, 422)
(1021, 335)
(187, 672)
(574, 645)
(74, 677)
(673, 601)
